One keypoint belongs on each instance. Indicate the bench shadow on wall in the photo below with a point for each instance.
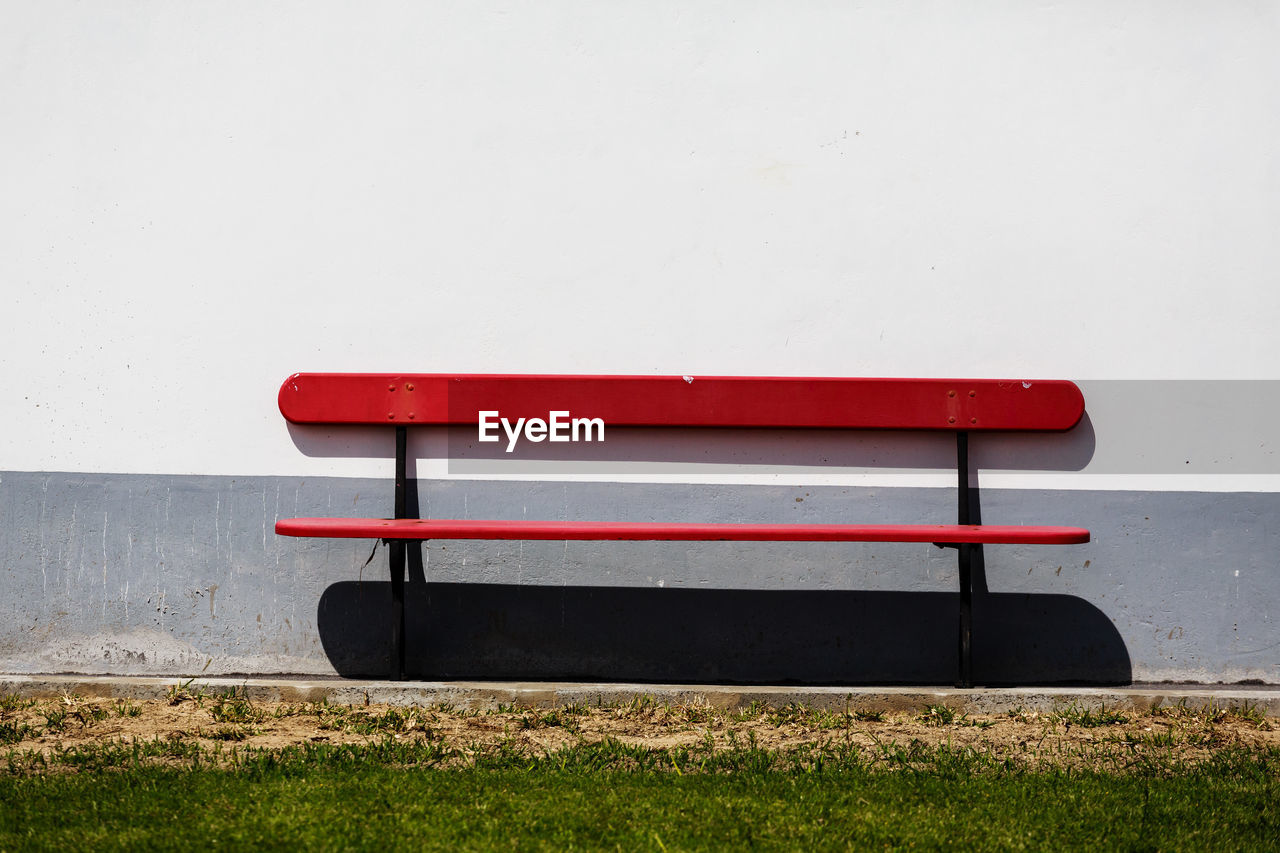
(508, 631)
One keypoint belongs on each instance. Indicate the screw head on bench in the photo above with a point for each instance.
(391, 387)
(951, 393)
(971, 420)
(408, 387)
(973, 393)
(411, 416)
(391, 416)
(951, 419)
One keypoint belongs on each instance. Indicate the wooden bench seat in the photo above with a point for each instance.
(959, 406)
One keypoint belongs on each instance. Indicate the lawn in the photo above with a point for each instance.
(768, 778)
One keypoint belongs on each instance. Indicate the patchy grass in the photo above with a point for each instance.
(218, 727)
(639, 775)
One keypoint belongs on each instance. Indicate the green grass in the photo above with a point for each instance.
(609, 794)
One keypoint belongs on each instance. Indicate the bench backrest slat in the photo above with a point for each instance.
(702, 401)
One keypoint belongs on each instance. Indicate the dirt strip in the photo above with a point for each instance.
(218, 723)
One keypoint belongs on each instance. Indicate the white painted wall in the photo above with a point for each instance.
(200, 198)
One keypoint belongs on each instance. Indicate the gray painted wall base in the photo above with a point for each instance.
(173, 575)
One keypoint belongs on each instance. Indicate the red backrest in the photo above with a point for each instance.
(714, 401)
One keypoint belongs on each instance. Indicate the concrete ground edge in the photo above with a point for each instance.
(488, 695)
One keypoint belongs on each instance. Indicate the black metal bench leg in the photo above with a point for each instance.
(966, 611)
(966, 558)
(397, 550)
(398, 559)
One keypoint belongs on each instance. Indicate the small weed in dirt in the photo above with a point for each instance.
(331, 718)
(1208, 716)
(641, 707)
(234, 708)
(791, 712)
(1149, 737)
(806, 715)
(182, 692)
(1251, 714)
(549, 719)
(695, 714)
(11, 702)
(90, 714)
(231, 733)
(125, 708)
(753, 711)
(940, 715)
(120, 754)
(14, 732)
(55, 720)
(1088, 718)
(391, 720)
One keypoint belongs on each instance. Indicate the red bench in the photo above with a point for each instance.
(959, 406)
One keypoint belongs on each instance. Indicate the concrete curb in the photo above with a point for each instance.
(486, 695)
